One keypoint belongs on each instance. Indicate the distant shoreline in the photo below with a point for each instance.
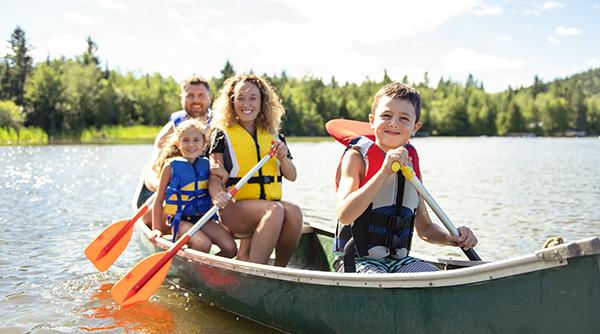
(144, 135)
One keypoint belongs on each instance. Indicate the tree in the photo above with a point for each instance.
(89, 55)
(19, 64)
(226, 73)
(10, 115)
(44, 94)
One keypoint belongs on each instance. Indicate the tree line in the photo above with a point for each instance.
(65, 96)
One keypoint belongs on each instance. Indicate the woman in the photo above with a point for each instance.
(247, 115)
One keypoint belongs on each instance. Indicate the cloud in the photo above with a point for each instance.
(506, 38)
(113, 5)
(79, 18)
(566, 31)
(594, 62)
(552, 5)
(553, 40)
(487, 10)
(469, 60)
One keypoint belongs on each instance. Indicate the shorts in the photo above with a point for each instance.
(388, 264)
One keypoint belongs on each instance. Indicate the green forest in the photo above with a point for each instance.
(65, 98)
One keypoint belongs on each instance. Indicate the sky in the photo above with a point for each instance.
(501, 43)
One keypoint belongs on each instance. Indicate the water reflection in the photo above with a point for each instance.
(146, 317)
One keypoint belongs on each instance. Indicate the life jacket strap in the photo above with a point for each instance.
(265, 179)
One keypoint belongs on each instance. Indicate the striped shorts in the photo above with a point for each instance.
(388, 264)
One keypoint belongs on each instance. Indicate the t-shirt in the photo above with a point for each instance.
(218, 145)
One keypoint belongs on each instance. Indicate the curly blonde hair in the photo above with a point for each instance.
(271, 109)
(171, 149)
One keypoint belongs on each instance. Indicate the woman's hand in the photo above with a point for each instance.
(222, 199)
(281, 150)
(466, 240)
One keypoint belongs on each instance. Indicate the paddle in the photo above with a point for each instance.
(343, 130)
(409, 174)
(146, 276)
(104, 250)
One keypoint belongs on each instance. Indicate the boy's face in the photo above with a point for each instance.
(394, 122)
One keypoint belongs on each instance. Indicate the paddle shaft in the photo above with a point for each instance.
(141, 211)
(409, 174)
(169, 254)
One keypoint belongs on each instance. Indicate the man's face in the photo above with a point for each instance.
(196, 100)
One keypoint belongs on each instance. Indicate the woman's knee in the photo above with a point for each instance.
(277, 210)
(229, 249)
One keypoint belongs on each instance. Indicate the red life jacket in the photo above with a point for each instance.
(386, 226)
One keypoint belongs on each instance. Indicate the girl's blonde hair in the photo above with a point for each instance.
(271, 109)
(171, 149)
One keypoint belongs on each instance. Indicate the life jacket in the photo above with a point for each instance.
(187, 191)
(266, 183)
(179, 116)
(386, 226)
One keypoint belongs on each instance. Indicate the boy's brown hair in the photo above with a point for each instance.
(399, 91)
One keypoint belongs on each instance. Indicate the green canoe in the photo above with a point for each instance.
(553, 290)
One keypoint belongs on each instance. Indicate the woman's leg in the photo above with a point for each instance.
(220, 237)
(264, 218)
(290, 234)
(244, 251)
(199, 241)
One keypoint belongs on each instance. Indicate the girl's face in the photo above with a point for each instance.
(191, 143)
(246, 103)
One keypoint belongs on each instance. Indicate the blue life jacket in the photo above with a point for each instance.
(187, 192)
(179, 116)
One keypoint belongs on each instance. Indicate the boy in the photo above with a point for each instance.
(377, 209)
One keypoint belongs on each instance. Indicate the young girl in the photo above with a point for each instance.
(182, 195)
(247, 115)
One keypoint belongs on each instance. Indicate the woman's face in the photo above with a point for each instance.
(246, 103)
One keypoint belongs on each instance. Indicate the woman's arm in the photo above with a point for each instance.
(157, 209)
(288, 169)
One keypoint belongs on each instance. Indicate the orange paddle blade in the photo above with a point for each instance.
(142, 280)
(345, 129)
(109, 244)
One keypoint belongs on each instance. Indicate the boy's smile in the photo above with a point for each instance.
(394, 122)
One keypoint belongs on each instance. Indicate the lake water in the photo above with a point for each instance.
(513, 192)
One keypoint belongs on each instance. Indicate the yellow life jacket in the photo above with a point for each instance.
(245, 152)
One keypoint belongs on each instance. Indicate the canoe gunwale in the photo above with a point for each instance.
(474, 274)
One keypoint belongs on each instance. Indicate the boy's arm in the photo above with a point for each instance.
(353, 200)
(157, 209)
(433, 233)
(426, 229)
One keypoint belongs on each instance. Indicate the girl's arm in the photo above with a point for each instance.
(216, 183)
(157, 208)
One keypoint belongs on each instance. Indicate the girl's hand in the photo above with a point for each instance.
(218, 171)
(466, 240)
(155, 234)
(280, 149)
(222, 199)
(399, 154)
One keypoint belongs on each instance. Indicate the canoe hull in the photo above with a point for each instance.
(562, 298)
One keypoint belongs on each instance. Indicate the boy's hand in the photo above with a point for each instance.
(280, 149)
(219, 171)
(466, 240)
(399, 154)
(222, 199)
